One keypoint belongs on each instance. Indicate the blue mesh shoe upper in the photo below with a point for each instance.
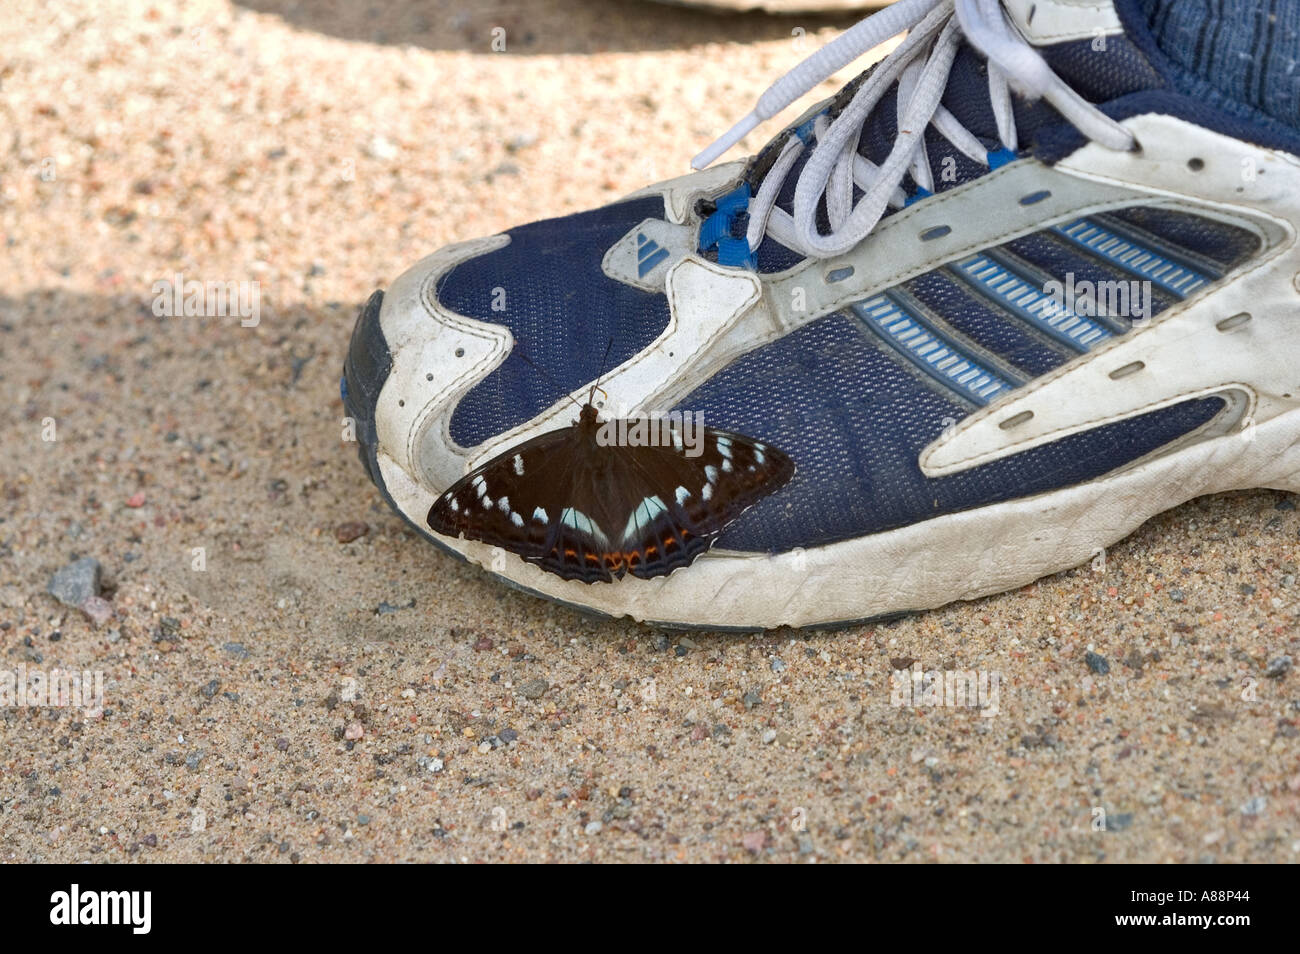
(548, 289)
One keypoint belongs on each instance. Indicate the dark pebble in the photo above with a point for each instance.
(1279, 667)
(352, 530)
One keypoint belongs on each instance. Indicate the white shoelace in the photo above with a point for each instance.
(920, 65)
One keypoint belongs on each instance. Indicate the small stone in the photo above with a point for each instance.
(434, 765)
(97, 609)
(380, 148)
(352, 530)
(754, 841)
(1097, 664)
(521, 140)
(688, 643)
(237, 650)
(354, 732)
(1255, 806)
(1279, 667)
(769, 736)
(77, 582)
(778, 664)
(593, 828)
(533, 688)
(751, 698)
(508, 735)
(211, 689)
(282, 744)
(136, 500)
(483, 644)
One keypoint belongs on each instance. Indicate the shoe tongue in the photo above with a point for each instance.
(1083, 41)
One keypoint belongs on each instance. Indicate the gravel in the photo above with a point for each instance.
(77, 582)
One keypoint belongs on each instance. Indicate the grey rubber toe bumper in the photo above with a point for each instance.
(365, 369)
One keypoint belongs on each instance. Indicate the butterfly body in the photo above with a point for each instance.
(586, 507)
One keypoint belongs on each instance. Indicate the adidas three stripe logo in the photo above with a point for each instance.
(649, 253)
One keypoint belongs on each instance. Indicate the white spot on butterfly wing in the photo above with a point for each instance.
(711, 474)
(724, 446)
(454, 504)
(504, 504)
(726, 466)
(643, 514)
(519, 465)
(540, 516)
(479, 485)
(583, 524)
(517, 520)
(759, 456)
(683, 495)
(707, 492)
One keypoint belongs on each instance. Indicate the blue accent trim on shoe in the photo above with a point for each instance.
(649, 254)
(1000, 157)
(734, 252)
(1172, 276)
(716, 232)
(1037, 307)
(920, 193)
(925, 347)
(735, 200)
(804, 131)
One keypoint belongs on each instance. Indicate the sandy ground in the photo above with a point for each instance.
(302, 699)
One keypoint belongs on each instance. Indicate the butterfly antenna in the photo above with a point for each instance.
(603, 360)
(539, 370)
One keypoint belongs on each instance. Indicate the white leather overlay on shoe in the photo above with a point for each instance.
(1238, 335)
(705, 301)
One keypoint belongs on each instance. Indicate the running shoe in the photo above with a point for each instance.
(1011, 292)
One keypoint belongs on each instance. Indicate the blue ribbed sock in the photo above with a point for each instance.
(1248, 50)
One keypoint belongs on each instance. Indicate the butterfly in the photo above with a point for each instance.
(587, 507)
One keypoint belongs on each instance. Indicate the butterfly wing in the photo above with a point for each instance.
(511, 501)
(684, 503)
